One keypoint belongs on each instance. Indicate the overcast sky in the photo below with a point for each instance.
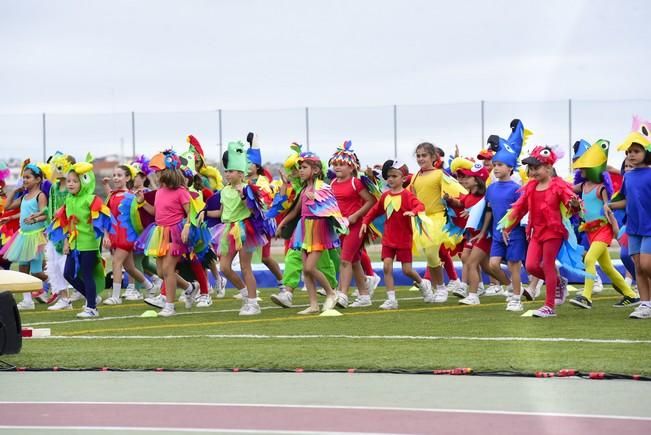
(119, 56)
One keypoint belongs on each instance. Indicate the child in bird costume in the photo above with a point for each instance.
(318, 229)
(599, 226)
(354, 200)
(285, 201)
(81, 223)
(635, 196)
(550, 201)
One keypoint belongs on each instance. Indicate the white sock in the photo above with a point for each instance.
(131, 286)
(441, 287)
(27, 297)
(515, 297)
(117, 288)
(169, 306)
(391, 295)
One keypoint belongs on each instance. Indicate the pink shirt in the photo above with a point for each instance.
(169, 205)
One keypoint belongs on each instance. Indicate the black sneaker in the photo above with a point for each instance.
(581, 301)
(627, 302)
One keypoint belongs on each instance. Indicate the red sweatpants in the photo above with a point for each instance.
(366, 263)
(541, 263)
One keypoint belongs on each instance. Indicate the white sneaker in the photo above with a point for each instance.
(112, 301)
(494, 290)
(88, 313)
(598, 286)
(74, 295)
(61, 304)
(481, 290)
(508, 291)
(250, 310)
(191, 294)
(641, 312)
(425, 287)
(471, 299)
(374, 281)
(155, 288)
(389, 304)
(329, 303)
(453, 285)
(342, 300)
(514, 305)
(321, 291)
(98, 300)
(362, 301)
(26, 305)
(440, 295)
(371, 284)
(130, 288)
(538, 288)
(283, 299)
(167, 311)
(237, 296)
(460, 291)
(133, 295)
(204, 301)
(156, 301)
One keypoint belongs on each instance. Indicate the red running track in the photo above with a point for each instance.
(222, 417)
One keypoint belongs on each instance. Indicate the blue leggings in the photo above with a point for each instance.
(84, 279)
(627, 261)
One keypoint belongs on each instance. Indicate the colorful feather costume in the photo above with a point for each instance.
(84, 219)
(571, 253)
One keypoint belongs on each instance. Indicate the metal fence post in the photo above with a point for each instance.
(221, 143)
(483, 141)
(569, 124)
(133, 134)
(44, 139)
(307, 128)
(395, 132)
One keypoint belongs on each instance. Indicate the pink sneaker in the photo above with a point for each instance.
(561, 290)
(544, 311)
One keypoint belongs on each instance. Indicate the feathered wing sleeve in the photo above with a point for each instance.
(373, 185)
(566, 194)
(213, 177)
(451, 187)
(59, 227)
(476, 215)
(199, 237)
(425, 233)
(263, 224)
(129, 217)
(101, 217)
(325, 205)
(518, 209)
(570, 255)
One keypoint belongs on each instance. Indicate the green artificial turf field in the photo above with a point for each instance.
(418, 336)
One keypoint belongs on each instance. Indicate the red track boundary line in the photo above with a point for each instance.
(306, 419)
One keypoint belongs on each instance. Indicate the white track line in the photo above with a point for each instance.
(364, 408)
(346, 337)
(128, 429)
(182, 313)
